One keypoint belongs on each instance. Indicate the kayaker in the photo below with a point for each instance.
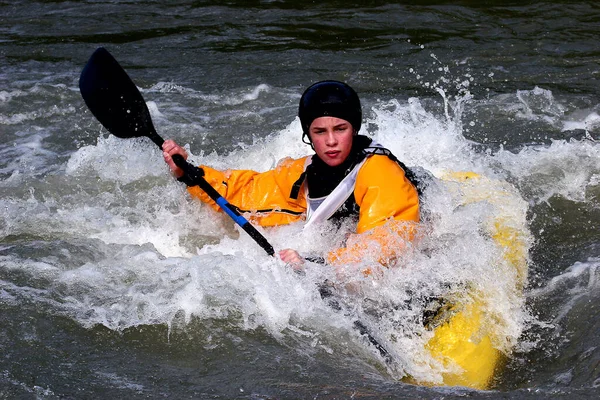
(348, 176)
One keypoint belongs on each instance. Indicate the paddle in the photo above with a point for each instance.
(117, 103)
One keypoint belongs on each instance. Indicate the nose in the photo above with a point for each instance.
(330, 140)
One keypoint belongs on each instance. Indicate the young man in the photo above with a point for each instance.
(348, 176)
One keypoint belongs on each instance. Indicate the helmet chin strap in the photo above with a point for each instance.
(306, 140)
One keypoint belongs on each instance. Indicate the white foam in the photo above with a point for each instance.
(115, 159)
(589, 122)
(565, 168)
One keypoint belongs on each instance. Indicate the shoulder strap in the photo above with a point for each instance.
(376, 148)
(298, 184)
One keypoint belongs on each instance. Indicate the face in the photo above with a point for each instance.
(332, 139)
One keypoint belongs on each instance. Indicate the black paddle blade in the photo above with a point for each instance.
(114, 99)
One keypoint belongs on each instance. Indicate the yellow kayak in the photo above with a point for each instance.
(465, 336)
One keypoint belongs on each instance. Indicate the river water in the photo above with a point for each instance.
(114, 283)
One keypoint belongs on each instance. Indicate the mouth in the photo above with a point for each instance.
(332, 153)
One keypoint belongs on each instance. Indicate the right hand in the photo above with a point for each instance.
(170, 148)
(293, 259)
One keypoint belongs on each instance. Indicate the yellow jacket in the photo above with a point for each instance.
(388, 202)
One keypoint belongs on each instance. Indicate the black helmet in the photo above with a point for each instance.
(329, 99)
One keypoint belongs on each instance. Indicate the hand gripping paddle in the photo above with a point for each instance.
(117, 103)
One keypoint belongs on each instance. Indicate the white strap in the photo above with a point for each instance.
(319, 210)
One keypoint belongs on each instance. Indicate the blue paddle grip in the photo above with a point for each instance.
(224, 204)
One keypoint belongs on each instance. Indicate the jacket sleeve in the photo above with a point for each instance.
(263, 197)
(389, 214)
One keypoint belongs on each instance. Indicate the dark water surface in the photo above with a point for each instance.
(114, 284)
